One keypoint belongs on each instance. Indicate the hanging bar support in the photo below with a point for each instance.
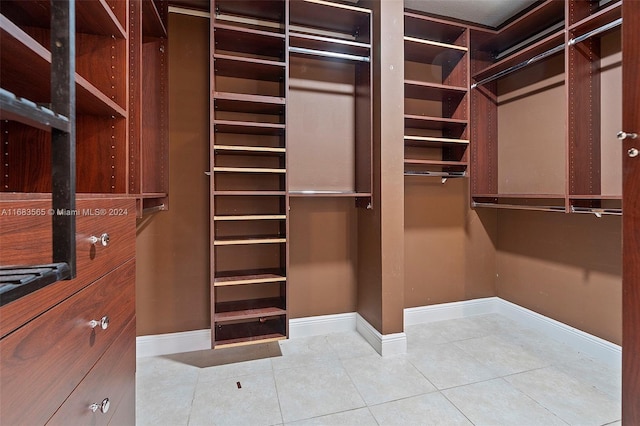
(519, 66)
(598, 30)
(334, 55)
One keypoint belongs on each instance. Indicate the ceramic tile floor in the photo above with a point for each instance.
(484, 370)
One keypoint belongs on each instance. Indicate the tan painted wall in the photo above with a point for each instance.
(449, 248)
(172, 279)
(567, 267)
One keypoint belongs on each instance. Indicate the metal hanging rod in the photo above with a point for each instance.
(519, 66)
(334, 55)
(520, 207)
(597, 211)
(549, 52)
(598, 30)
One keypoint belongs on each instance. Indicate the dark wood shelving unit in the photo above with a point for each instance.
(248, 164)
(436, 116)
(583, 175)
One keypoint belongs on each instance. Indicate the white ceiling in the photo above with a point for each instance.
(486, 12)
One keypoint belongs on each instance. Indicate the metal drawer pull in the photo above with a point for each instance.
(103, 239)
(103, 407)
(624, 135)
(103, 323)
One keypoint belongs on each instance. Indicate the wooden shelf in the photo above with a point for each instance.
(250, 277)
(607, 14)
(248, 127)
(251, 217)
(252, 104)
(249, 309)
(152, 25)
(595, 197)
(308, 41)
(328, 16)
(249, 68)
(247, 333)
(434, 123)
(248, 170)
(25, 61)
(523, 196)
(429, 28)
(434, 139)
(248, 150)
(431, 52)
(443, 163)
(269, 10)
(248, 240)
(554, 40)
(327, 194)
(251, 41)
(528, 24)
(92, 17)
(433, 91)
(249, 193)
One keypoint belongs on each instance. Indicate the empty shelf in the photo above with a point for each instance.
(248, 240)
(249, 278)
(435, 139)
(248, 127)
(248, 170)
(249, 68)
(431, 52)
(433, 123)
(248, 309)
(432, 91)
(152, 24)
(249, 149)
(249, 193)
(248, 40)
(247, 333)
(251, 217)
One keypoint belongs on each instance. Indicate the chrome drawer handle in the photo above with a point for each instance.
(103, 323)
(102, 239)
(624, 135)
(103, 406)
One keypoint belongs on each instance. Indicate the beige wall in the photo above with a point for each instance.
(567, 267)
(172, 279)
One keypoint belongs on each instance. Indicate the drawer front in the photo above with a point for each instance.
(112, 379)
(26, 239)
(42, 362)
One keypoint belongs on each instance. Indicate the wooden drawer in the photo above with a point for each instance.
(26, 239)
(112, 378)
(42, 362)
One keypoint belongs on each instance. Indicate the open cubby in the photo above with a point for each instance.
(436, 107)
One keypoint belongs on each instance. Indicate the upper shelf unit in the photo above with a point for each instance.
(436, 91)
(122, 117)
(559, 62)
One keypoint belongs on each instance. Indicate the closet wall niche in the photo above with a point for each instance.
(542, 114)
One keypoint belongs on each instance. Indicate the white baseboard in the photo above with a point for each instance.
(448, 311)
(396, 343)
(321, 324)
(384, 344)
(588, 344)
(173, 343)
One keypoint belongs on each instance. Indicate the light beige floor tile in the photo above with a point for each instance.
(237, 369)
(304, 351)
(501, 355)
(424, 410)
(423, 335)
(497, 403)
(381, 379)
(349, 345)
(164, 391)
(315, 390)
(447, 366)
(460, 329)
(604, 378)
(359, 417)
(223, 403)
(549, 350)
(570, 399)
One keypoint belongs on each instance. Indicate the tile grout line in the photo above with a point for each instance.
(275, 384)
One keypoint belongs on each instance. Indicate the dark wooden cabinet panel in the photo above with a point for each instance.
(43, 361)
(631, 217)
